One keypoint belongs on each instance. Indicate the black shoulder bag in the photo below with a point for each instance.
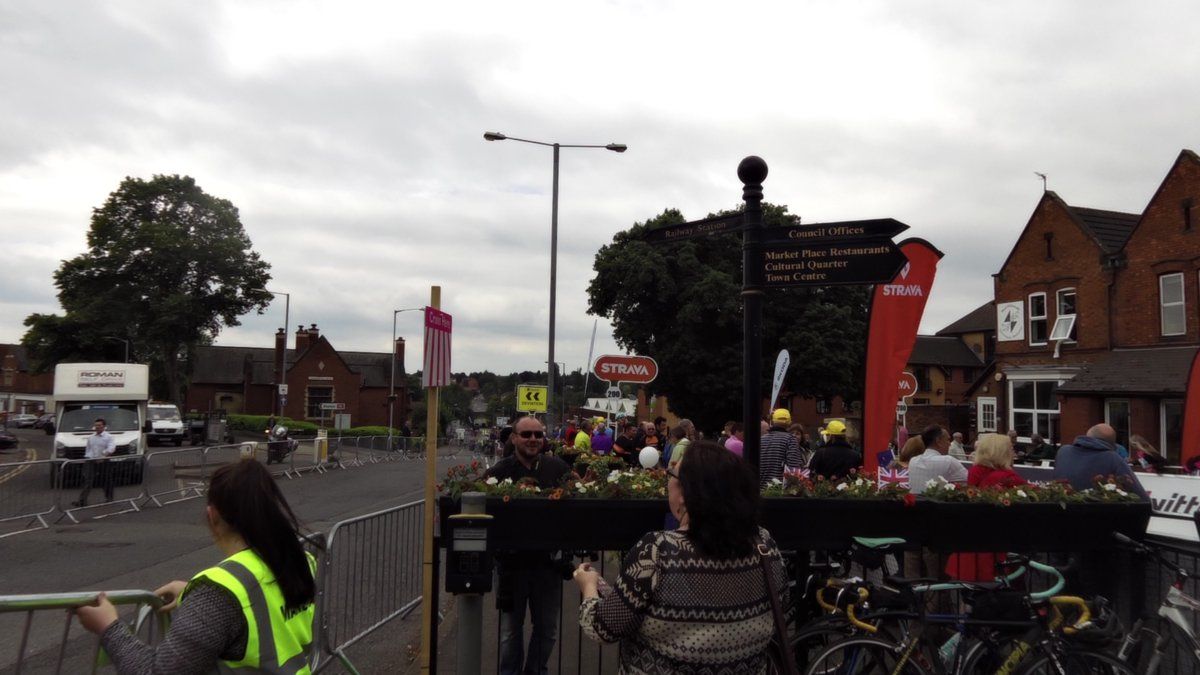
(786, 663)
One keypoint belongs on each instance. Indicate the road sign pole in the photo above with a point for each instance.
(431, 433)
(752, 171)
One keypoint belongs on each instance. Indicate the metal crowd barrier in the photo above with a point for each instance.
(48, 610)
(23, 500)
(71, 477)
(371, 574)
(171, 476)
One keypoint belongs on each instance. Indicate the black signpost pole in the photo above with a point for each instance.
(752, 171)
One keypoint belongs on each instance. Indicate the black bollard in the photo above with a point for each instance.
(752, 171)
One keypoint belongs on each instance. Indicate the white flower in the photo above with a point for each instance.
(614, 476)
(508, 481)
(1123, 493)
(951, 486)
(582, 487)
(842, 486)
(492, 481)
(776, 481)
(860, 482)
(1110, 487)
(932, 483)
(1022, 495)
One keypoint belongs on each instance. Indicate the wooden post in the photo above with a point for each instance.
(428, 611)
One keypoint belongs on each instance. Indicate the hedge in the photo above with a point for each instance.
(258, 424)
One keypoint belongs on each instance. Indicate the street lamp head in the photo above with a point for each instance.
(616, 147)
(494, 136)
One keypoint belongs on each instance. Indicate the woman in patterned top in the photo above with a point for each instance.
(694, 599)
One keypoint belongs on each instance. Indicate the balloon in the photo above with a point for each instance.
(648, 457)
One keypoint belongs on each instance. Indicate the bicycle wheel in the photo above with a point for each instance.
(1077, 662)
(812, 641)
(863, 656)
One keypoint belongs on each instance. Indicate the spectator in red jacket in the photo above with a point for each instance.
(992, 469)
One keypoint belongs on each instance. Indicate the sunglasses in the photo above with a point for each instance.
(673, 474)
(531, 434)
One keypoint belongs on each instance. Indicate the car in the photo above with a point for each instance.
(46, 422)
(20, 421)
(7, 439)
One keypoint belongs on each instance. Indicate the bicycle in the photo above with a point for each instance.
(984, 644)
(1148, 641)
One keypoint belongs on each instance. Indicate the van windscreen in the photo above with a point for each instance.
(117, 416)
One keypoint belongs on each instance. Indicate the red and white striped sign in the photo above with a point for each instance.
(436, 370)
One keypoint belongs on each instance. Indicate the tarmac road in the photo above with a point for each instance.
(145, 549)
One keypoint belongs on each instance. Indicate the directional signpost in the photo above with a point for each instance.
(531, 398)
(824, 254)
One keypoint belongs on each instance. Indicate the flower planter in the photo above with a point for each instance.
(807, 524)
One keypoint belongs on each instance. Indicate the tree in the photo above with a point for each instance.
(679, 303)
(167, 267)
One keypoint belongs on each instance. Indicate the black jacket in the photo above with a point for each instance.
(834, 459)
(547, 469)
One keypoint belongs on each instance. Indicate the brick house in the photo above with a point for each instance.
(1097, 318)
(945, 366)
(22, 391)
(245, 379)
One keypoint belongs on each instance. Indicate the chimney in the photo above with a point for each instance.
(313, 333)
(399, 347)
(280, 349)
(302, 339)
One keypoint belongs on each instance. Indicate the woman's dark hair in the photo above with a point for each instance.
(246, 496)
(721, 495)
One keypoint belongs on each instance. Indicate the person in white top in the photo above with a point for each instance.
(957, 451)
(934, 463)
(100, 447)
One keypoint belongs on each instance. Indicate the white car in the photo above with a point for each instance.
(21, 421)
(166, 425)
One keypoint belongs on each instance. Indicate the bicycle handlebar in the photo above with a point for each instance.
(854, 620)
(1152, 551)
(1085, 614)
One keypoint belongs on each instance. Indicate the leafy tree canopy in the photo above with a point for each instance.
(167, 267)
(679, 302)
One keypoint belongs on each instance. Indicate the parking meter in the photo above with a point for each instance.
(468, 560)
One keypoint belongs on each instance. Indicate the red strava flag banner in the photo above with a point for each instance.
(896, 310)
(1191, 415)
(436, 369)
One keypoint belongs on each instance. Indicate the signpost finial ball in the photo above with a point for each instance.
(752, 170)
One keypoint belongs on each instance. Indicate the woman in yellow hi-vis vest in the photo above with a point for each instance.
(252, 612)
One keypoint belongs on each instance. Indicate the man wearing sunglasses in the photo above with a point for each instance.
(528, 578)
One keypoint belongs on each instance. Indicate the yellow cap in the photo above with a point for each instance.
(781, 416)
(835, 428)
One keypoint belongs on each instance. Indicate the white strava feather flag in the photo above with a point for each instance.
(436, 370)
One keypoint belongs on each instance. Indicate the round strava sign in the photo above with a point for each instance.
(618, 368)
(908, 385)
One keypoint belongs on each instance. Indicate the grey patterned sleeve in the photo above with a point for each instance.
(618, 613)
(207, 626)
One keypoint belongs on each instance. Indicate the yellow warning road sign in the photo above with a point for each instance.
(531, 398)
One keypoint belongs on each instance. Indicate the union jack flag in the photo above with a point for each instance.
(795, 473)
(893, 477)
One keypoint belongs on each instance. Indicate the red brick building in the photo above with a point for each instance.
(245, 380)
(22, 391)
(1097, 318)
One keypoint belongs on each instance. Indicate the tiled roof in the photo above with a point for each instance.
(949, 352)
(979, 320)
(225, 365)
(1110, 228)
(1162, 370)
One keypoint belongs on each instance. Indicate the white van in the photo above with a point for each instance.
(166, 424)
(115, 392)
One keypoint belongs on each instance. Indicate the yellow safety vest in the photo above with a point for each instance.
(276, 641)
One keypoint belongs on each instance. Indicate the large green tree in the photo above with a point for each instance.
(167, 266)
(679, 302)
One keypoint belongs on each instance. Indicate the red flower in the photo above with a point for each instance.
(910, 499)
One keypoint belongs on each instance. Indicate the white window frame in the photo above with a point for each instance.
(1059, 316)
(982, 404)
(1168, 452)
(1013, 410)
(1163, 305)
(1067, 324)
(1043, 317)
(1128, 411)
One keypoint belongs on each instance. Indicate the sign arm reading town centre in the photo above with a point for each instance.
(859, 252)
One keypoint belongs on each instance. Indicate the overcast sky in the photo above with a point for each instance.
(349, 134)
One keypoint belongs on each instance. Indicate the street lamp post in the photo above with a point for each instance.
(615, 147)
(109, 337)
(392, 381)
